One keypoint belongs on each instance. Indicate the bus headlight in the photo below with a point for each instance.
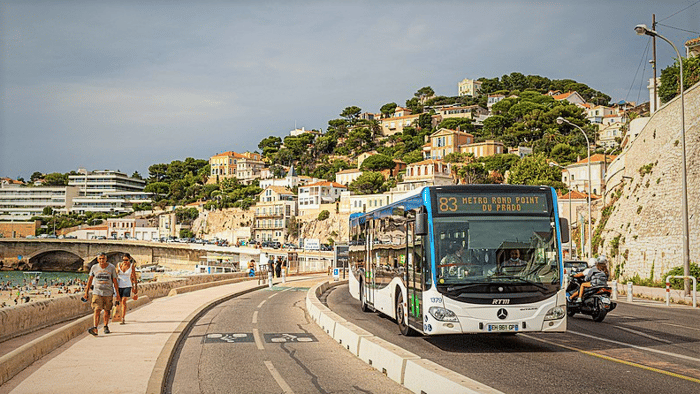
(555, 313)
(442, 314)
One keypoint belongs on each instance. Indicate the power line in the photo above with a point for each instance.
(678, 12)
(644, 56)
(677, 28)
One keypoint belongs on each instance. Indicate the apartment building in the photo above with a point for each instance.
(246, 167)
(483, 149)
(425, 173)
(276, 206)
(22, 203)
(346, 177)
(469, 87)
(131, 228)
(493, 99)
(576, 178)
(608, 135)
(445, 141)
(107, 191)
(313, 195)
(465, 111)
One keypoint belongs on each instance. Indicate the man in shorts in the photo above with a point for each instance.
(103, 276)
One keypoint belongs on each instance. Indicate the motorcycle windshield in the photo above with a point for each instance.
(476, 254)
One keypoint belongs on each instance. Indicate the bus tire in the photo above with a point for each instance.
(363, 304)
(401, 317)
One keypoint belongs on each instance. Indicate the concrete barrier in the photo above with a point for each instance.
(414, 373)
(348, 335)
(425, 376)
(14, 362)
(385, 357)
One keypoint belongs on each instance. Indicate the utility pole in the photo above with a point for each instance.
(653, 66)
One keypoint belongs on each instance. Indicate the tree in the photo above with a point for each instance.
(425, 121)
(388, 109)
(413, 157)
(535, 170)
(157, 172)
(495, 125)
(47, 211)
(56, 179)
(377, 162)
(136, 175)
(270, 145)
(473, 173)
(159, 190)
(367, 183)
(500, 163)
(669, 78)
(424, 93)
(351, 113)
(463, 124)
(323, 215)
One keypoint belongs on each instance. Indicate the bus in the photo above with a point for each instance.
(463, 259)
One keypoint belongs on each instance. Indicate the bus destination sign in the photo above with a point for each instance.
(491, 203)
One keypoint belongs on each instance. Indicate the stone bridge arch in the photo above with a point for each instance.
(53, 259)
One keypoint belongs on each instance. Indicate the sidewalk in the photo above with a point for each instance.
(133, 354)
(654, 294)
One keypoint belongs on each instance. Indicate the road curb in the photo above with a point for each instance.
(414, 373)
(17, 360)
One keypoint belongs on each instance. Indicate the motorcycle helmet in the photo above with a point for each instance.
(602, 260)
(592, 262)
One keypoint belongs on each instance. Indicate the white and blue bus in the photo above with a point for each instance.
(463, 259)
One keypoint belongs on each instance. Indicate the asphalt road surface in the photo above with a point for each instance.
(264, 342)
(641, 347)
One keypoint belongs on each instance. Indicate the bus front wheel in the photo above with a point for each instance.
(401, 317)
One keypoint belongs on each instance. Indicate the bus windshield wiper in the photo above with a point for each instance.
(529, 282)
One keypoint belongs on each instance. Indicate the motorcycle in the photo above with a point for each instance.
(596, 300)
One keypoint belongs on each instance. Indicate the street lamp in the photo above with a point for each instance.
(644, 30)
(553, 164)
(561, 120)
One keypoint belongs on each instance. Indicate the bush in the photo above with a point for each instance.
(323, 215)
(678, 271)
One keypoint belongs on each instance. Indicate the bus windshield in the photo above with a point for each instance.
(487, 250)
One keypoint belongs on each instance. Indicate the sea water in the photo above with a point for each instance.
(22, 278)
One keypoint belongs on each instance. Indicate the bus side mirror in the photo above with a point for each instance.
(421, 223)
(564, 227)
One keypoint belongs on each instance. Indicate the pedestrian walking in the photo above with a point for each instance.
(128, 283)
(278, 267)
(103, 276)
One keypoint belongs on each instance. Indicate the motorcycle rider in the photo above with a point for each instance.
(595, 276)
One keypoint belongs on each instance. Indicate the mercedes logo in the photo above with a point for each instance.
(502, 314)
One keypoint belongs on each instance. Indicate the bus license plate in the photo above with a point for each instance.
(502, 327)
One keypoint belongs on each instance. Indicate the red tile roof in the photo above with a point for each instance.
(597, 157)
(327, 183)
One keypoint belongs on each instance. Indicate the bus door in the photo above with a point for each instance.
(371, 268)
(414, 277)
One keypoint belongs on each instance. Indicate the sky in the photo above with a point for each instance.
(122, 85)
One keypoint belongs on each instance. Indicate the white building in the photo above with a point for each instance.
(131, 228)
(579, 174)
(346, 177)
(107, 191)
(22, 203)
(276, 206)
(469, 87)
(313, 195)
(425, 173)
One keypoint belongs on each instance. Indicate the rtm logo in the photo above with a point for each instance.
(501, 301)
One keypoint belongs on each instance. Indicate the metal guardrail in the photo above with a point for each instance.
(668, 288)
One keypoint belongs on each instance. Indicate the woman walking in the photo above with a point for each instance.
(126, 277)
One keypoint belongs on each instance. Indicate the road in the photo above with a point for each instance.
(264, 342)
(641, 347)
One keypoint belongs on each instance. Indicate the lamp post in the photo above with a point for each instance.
(644, 30)
(552, 164)
(561, 120)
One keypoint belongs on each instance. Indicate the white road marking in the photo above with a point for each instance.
(643, 334)
(261, 304)
(255, 317)
(258, 340)
(637, 347)
(278, 378)
(678, 325)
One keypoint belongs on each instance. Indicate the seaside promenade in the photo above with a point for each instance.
(134, 357)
